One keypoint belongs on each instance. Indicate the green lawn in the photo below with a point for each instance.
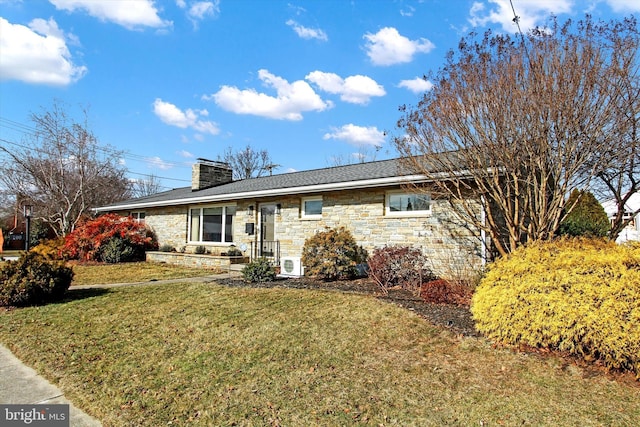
(204, 354)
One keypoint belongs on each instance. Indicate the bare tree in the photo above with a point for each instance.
(62, 170)
(248, 163)
(618, 167)
(364, 154)
(146, 187)
(513, 125)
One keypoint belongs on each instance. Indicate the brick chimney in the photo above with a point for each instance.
(209, 173)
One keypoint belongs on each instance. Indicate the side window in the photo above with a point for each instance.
(407, 204)
(312, 208)
(138, 217)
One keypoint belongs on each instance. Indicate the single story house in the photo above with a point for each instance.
(273, 215)
(631, 212)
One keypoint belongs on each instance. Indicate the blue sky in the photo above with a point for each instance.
(309, 81)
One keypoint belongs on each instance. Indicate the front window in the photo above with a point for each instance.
(211, 224)
(408, 203)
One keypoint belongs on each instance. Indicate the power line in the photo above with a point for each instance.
(516, 19)
(25, 129)
(15, 144)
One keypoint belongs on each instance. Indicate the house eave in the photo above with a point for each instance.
(351, 185)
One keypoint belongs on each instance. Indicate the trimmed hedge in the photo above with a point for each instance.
(575, 295)
(32, 279)
(333, 254)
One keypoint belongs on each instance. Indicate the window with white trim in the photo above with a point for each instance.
(407, 204)
(211, 224)
(312, 207)
(138, 217)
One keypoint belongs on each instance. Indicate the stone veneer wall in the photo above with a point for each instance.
(194, 260)
(169, 224)
(449, 244)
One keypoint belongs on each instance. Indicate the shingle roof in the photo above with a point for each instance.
(287, 183)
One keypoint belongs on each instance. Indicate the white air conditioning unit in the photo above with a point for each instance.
(291, 267)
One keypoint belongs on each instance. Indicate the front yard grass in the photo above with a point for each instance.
(205, 354)
(129, 272)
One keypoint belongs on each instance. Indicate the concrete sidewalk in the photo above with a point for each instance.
(19, 384)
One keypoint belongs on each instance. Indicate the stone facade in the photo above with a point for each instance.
(450, 245)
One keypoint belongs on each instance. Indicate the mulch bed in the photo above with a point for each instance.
(456, 318)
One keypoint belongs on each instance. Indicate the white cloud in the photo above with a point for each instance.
(173, 116)
(417, 85)
(199, 10)
(408, 11)
(357, 135)
(619, 6)
(531, 13)
(388, 47)
(37, 54)
(307, 33)
(158, 163)
(291, 100)
(185, 154)
(129, 14)
(202, 9)
(354, 89)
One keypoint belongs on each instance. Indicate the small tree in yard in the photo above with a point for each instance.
(109, 238)
(332, 254)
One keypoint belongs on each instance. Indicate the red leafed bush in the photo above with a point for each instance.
(442, 291)
(109, 238)
(402, 266)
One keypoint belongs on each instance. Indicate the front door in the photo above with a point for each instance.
(267, 231)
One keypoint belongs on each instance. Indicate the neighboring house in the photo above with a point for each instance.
(272, 216)
(632, 230)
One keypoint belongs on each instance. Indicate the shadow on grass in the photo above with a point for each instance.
(80, 294)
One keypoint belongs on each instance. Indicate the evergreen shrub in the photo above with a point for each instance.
(118, 250)
(332, 254)
(50, 249)
(233, 251)
(587, 218)
(259, 270)
(576, 295)
(32, 279)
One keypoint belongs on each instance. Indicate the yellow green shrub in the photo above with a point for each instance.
(50, 249)
(575, 295)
